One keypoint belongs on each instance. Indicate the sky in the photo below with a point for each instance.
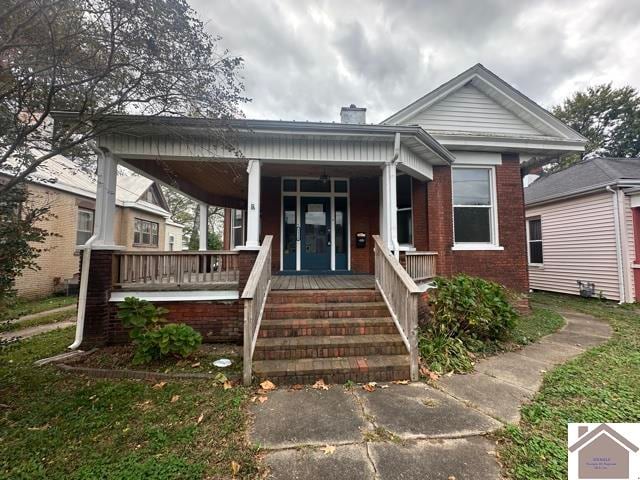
(304, 59)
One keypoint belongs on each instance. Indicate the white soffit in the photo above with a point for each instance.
(477, 158)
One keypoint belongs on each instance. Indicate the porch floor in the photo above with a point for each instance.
(322, 282)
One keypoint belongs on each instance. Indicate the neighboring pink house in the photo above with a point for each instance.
(583, 229)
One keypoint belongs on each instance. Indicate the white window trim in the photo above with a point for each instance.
(531, 264)
(93, 216)
(405, 247)
(242, 226)
(494, 244)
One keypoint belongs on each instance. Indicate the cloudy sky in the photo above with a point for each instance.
(305, 58)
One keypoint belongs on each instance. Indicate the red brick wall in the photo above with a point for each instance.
(508, 266)
(216, 321)
(420, 223)
(365, 217)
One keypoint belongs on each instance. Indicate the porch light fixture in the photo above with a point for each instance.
(324, 178)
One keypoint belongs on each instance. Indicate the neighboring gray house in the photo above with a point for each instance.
(583, 229)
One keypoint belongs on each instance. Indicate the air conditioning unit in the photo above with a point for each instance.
(587, 289)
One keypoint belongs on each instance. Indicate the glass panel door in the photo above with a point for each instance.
(341, 233)
(289, 233)
(316, 233)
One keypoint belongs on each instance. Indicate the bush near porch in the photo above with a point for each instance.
(59, 426)
(471, 317)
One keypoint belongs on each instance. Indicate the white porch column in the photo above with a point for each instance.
(204, 223)
(389, 207)
(105, 200)
(253, 205)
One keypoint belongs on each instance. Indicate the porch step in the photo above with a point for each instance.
(369, 368)
(336, 335)
(328, 326)
(324, 296)
(328, 346)
(325, 310)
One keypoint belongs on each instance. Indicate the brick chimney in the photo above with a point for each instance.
(353, 114)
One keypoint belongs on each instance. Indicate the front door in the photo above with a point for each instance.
(316, 233)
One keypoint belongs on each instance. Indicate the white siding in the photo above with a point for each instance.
(631, 248)
(579, 243)
(469, 110)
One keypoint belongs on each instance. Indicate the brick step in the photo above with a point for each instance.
(378, 368)
(328, 346)
(325, 310)
(323, 296)
(328, 326)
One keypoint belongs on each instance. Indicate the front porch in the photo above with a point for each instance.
(324, 237)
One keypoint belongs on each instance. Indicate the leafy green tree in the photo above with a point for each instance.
(609, 117)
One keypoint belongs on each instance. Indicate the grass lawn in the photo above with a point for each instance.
(59, 426)
(540, 322)
(25, 307)
(601, 385)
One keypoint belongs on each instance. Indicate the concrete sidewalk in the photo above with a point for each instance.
(411, 431)
(31, 331)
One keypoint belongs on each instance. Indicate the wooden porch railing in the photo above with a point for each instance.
(421, 266)
(401, 295)
(254, 297)
(162, 270)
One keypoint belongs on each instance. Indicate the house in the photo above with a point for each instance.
(332, 228)
(602, 453)
(583, 228)
(140, 221)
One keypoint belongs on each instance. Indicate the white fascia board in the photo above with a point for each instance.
(467, 142)
(477, 158)
(146, 207)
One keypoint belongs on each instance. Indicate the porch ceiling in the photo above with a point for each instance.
(299, 170)
(223, 184)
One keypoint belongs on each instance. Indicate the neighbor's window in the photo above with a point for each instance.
(405, 212)
(145, 233)
(474, 214)
(534, 231)
(151, 197)
(84, 229)
(237, 228)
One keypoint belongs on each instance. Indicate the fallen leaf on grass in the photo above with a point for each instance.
(195, 365)
(43, 427)
(159, 385)
(227, 385)
(200, 418)
(320, 385)
(328, 449)
(267, 386)
(235, 468)
(175, 398)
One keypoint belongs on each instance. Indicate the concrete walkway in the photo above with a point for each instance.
(411, 431)
(35, 330)
(46, 313)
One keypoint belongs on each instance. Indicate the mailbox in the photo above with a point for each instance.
(361, 240)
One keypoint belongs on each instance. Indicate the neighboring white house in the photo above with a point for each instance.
(580, 229)
(173, 236)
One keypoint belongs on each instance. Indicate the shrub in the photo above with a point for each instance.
(468, 314)
(152, 336)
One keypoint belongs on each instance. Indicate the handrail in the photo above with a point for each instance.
(179, 252)
(401, 294)
(255, 297)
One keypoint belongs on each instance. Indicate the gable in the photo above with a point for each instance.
(468, 110)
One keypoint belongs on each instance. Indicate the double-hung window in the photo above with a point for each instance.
(237, 228)
(475, 222)
(404, 209)
(145, 233)
(534, 241)
(84, 229)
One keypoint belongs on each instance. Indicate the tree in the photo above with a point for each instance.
(20, 235)
(101, 57)
(609, 117)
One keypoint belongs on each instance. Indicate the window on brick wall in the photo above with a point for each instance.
(475, 222)
(404, 197)
(145, 233)
(534, 241)
(237, 228)
(84, 228)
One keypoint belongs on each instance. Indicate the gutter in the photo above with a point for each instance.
(616, 221)
(582, 191)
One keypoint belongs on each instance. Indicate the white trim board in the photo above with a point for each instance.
(178, 296)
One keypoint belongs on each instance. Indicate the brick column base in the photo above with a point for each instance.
(96, 317)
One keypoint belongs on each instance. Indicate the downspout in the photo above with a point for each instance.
(394, 200)
(84, 275)
(616, 222)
